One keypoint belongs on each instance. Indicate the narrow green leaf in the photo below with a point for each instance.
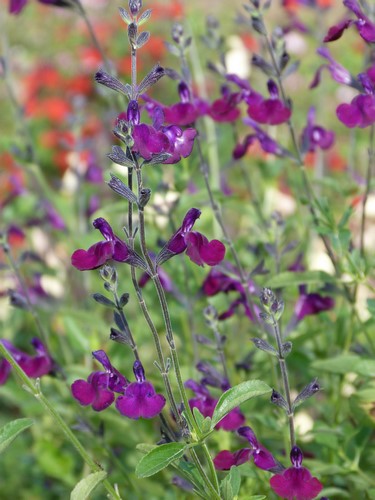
(340, 364)
(347, 363)
(291, 278)
(230, 485)
(11, 430)
(159, 458)
(83, 489)
(237, 395)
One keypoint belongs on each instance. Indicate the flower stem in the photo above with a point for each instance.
(285, 378)
(35, 390)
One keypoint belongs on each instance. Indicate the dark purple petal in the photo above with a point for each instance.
(97, 255)
(181, 114)
(5, 368)
(248, 433)
(224, 110)
(200, 390)
(16, 6)
(312, 303)
(232, 421)
(140, 400)
(296, 484)
(296, 456)
(177, 243)
(212, 253)
(264, 458)
(181, 144)
(116, 381)
(83, 392)
(335, 32)
(225, 459)
(148, 141)
(139, 371)
(132, 113)
(349, 115)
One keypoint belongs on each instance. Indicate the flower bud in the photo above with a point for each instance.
(135, 6)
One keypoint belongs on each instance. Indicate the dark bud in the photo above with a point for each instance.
(286, 349)
(277, 309)
(283, 60)
(144, 197)
(120, 188)
(264, 346)
(263, 65)
(132, 35)
(108, 274)
(117, 336)
(311, 389)
(201, 339)
(278, 400)
(210, 315)
(267, 298)
(17, 300)
(143, 39)
(296, 456)
(135, 6)
(258, 24)
(111, 82)
(154, 76)
(132, 113)
(119, 156)
(104, 301)
(124, 299)
(177, 33)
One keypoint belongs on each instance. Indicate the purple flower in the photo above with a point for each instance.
(338, 72)
(99, 253)
(268, 144)
(314, 136)
(359, 113)
(139, 399)
(216, 281)
(365, 27)
(33, 366)
(16, 6)
(225, 109)
(182, 113)
(206, 404)
(98, 391)
(198, 248)
(269, 111)
(149, 140)
(312, 303)
(296, 483)
(261, 456)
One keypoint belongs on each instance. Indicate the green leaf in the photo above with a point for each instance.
(230, 485)
(11, 430)
(257, 497)
(291, 278)
(237, 395)
(346, 363)
(159, 458)
(83, 489)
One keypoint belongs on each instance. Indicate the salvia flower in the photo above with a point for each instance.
(33, 366)
(226, 108)
(103, 251)
(197, 247)
(361, 111)
(17, 6)
(266, 142)
(312, 303)
(296, 483)
(140, 399)
(261, 456)
(98, 391)
(338, 72)
(149, 140)
(315, 136)
(206, 405)
(270, 111)
(365, 27)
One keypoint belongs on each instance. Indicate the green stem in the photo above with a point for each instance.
(214, 494)
(285, 378)
(211, 467)
(37, 393)
(370, 166)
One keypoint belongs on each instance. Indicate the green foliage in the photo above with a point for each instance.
(11, 430)
(84, 488)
